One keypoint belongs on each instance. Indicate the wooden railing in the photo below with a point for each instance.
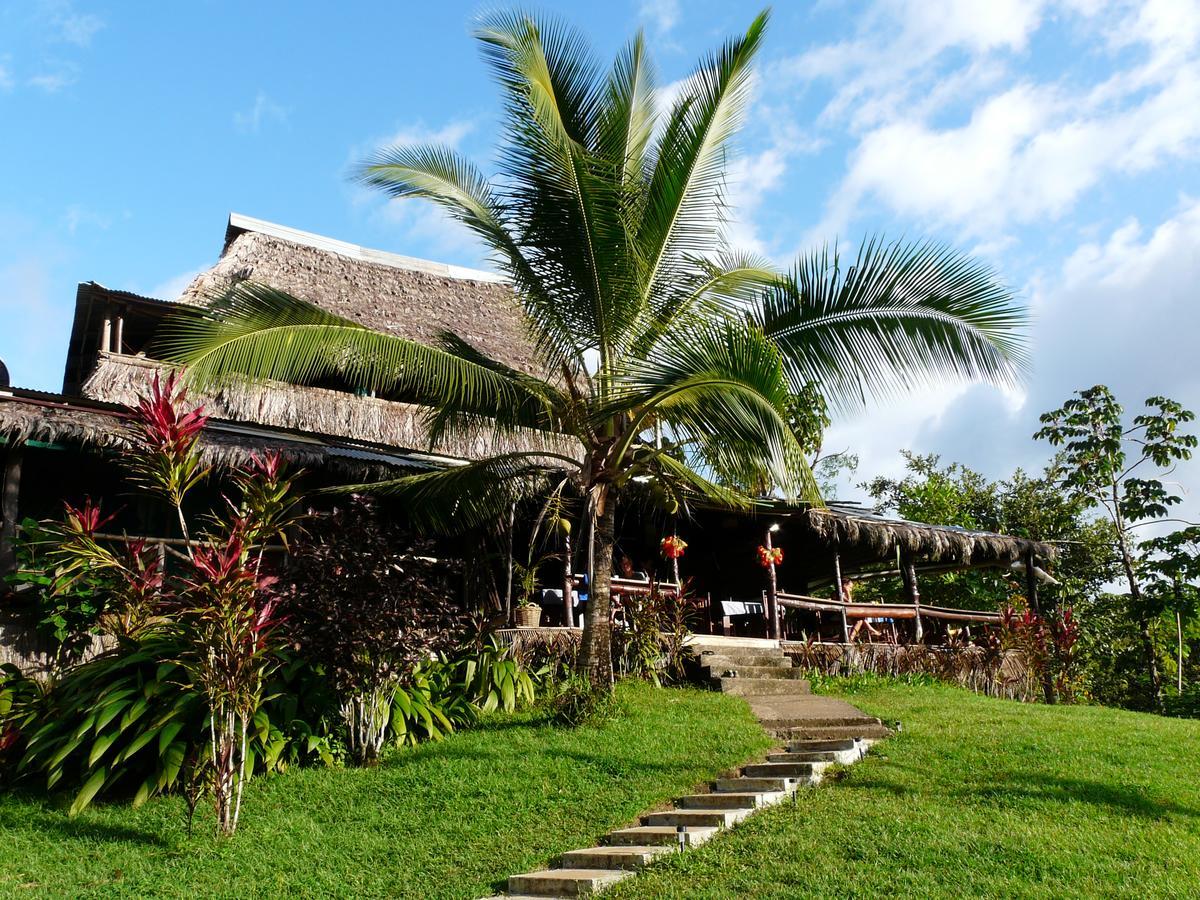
(887, 610)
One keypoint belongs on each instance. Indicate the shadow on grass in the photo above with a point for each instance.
(41, 816)
(1021, 787)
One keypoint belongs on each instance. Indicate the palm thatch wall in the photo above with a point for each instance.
(120, 379)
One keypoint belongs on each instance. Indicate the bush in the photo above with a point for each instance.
(371, 603)
(129, 723)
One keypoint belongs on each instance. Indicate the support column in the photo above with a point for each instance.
(10, 513)
(508, 584)
(909, 569)
(772, 596)
(1031, 582)
(840, 589)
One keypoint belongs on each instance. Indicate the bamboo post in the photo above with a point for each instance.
(772, 592)
(10, 511)
(106, 334)
(840, 587)
(120, 341)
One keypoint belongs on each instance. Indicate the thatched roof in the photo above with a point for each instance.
(412, 298)
(866, 534)
(52, 418)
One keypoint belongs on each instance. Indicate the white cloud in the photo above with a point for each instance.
(6, 78)
(54, 81)
(451, 134)
(1120, 310)
(173, 287)
(78, 28)
(78, 216)
(1026, 150)
(264, 111)
(662, 14)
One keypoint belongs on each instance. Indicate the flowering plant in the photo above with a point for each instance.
(673, 546)
(770, 556)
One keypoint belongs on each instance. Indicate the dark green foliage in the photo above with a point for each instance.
(1022, 505)
(128, 723)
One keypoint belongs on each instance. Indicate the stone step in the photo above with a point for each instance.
(822, 722)
(660, 835)
(830, 732)
(565, 882)
(814, 746)
(758, 672)
(782, 770)
(741, 785)
(705, 818)
(759, 687)
(730, 800)
(613, 856)
(818, 756)
(733, 660)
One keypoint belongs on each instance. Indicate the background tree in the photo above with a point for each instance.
(1104, 463)
(1021, 505)
(1172, 566)
(663, 354)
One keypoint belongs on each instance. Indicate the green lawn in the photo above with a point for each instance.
(975, 798)
(452, 819)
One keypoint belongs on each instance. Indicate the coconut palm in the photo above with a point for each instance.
(664, 356)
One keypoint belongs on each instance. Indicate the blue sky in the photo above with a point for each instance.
(1059, 140)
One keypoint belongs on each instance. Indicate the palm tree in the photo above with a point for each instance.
(666, 357)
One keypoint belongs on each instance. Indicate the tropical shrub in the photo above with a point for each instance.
(130, 723)
(651, 646)
(370, 602)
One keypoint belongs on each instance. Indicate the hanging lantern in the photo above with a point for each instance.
(770, 556)
(673, 546)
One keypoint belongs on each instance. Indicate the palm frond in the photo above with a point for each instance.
(475, 495)
(628, 115)
(903, 314)
(260, 333)
(723, 381)
(684, 202)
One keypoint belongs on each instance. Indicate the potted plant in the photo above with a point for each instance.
(528, 613)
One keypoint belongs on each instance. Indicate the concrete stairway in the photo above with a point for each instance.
(817, 732)
(693, 820)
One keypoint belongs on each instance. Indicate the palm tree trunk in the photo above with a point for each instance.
(595, 658)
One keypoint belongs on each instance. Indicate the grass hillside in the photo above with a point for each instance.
(451, 819)
(974, 798)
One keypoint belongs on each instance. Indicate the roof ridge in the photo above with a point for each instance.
(240, 224)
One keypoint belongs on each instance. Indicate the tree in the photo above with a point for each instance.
(664, 355)
(1027, 506)
(1102, 463)
(1172, 565)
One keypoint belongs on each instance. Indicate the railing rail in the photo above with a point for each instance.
(886, 610)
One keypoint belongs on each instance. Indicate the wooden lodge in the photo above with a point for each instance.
(65, 445)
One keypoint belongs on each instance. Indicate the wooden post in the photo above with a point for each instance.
(10, 513)
(568, 584)
(914, 593)
(1031, 582)
(839, 587)
(508, 585)
(119, 346)
(772, 595)
(106, 334)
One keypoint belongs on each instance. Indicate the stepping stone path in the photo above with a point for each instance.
(816, 731)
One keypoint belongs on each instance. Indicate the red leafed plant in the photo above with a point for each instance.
(1048, 645)
(218, 601)
(165, 436)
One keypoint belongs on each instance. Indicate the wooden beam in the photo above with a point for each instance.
(772, 596)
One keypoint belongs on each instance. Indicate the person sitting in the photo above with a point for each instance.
(862, 624)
